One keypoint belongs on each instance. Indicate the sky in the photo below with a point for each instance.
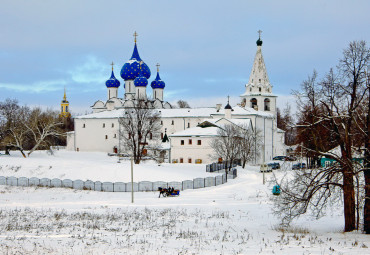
(205, 48)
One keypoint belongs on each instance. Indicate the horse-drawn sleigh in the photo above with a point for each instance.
(170, 192)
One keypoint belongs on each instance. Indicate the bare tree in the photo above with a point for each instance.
(226, 145)
(140, 128)
(249, 142)
(24, 128)
(41, 125)
(183, 104)
(13, 118)
(332, 105)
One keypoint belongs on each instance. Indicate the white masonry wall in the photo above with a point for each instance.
(192, 151)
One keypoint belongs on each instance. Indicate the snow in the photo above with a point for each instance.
(95, 166)
(233, 218)
(204, 112)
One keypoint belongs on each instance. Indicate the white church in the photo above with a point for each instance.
(188, 143)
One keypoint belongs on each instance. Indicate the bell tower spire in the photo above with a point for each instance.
(64, 106)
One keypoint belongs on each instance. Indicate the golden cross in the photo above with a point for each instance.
(157, 65)
(228, 99)
(135, 35)
(112, 65)
(259, 33)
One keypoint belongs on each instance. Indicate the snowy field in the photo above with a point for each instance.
(233, 218)
(95, 166)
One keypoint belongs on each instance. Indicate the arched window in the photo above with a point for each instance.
(254, 103)
(267, 104)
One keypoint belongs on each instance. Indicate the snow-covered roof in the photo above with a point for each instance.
(243, 123)
(204, 112)
(197, 131)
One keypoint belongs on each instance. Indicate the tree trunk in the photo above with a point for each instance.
(367, 202)
(349, 201)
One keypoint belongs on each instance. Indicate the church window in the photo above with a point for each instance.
(161, 135)
(259, 80)
(254, 103)
(188, 124)
(66, 108)
(173, 122)
(199, 142)
(259, 89)
(61, 108)
(83, 125)
(250, 89)
(190, 142)
(267, 104)
(106, 137)
(115, 135)
(162, 122)
(103, 125)
(189, 160)
(181, 160)
(112, 125)
(182, 142)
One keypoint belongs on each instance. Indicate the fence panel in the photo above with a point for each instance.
(188, 184)
(67, 183)
(156, 185)
(78, 184)
(12, 181)
(56, 183)
(45, 182)
(218, 180)
(89, 185)
(175, 185)
(198, 183)
(107, 187)
(23, 181)
(33, 181)
(128, 187)
(2, 180)
(209, 182)
(119, 187)
(97, 186)
(145, 186)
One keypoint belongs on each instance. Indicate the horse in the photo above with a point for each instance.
(163, 192)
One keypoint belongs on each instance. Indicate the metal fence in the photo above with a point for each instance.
(196, 183)
(217, 167)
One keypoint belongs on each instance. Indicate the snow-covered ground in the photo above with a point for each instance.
(233, 218)
(95, 166)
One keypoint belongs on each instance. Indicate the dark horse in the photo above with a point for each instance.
(163, 192)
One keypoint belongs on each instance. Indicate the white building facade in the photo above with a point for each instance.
(99, 131)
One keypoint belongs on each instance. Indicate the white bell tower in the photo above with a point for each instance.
(258, 94)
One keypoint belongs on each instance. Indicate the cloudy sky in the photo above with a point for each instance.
(205, 48)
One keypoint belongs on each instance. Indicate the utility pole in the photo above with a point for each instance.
(132, 179)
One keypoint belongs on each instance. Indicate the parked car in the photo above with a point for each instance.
(274, 165)
(279, 158)
(265, 168)
(299, 166)
(290, 158)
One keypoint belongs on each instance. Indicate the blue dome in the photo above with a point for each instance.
(141, 80)
(112, 82)
(130, 69)
(158, 83)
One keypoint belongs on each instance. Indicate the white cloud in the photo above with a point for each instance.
(91, 71)
(36, 87)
